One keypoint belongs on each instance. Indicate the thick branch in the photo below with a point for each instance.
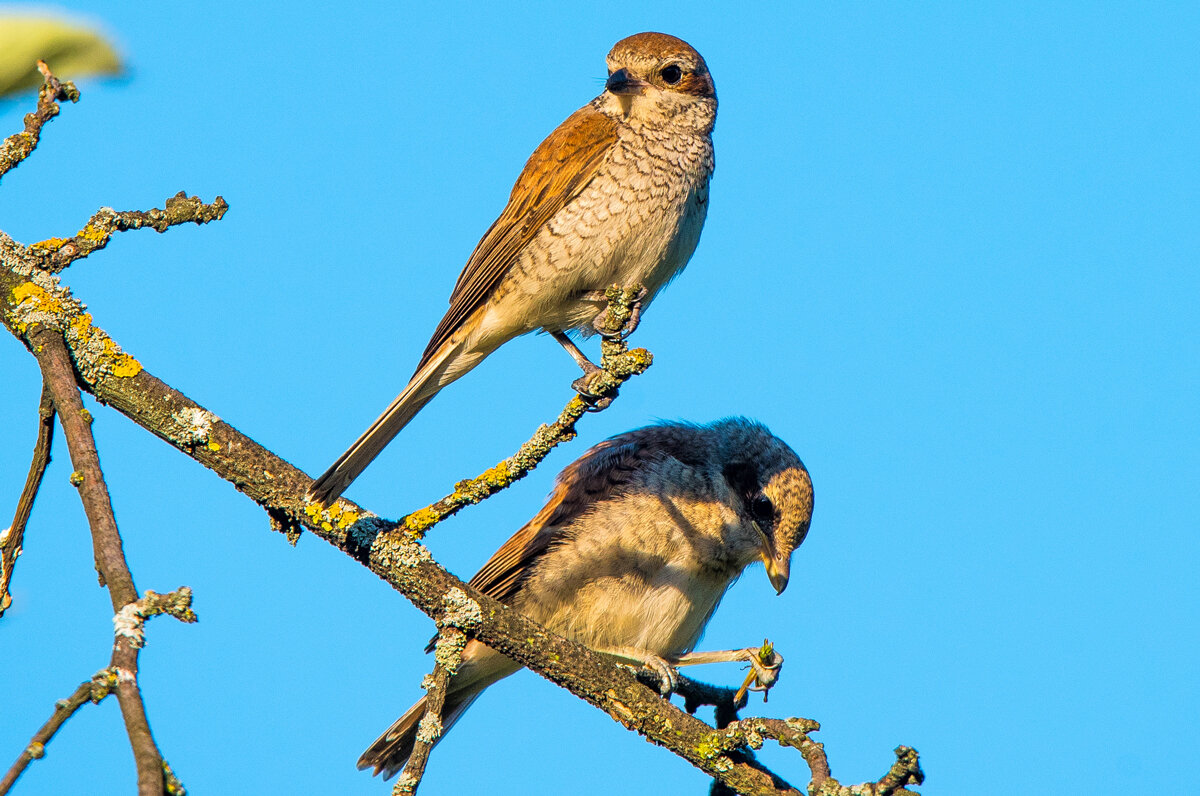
(42, 313)
(103, 683)
(52, 355)
(390, 552)
(387, 549)
(19, 146)
(12, 539)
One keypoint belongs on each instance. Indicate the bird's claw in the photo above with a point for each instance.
(593, 390)
(662, 675)
(604, 320)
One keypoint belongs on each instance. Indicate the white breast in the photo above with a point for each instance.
(630, 576)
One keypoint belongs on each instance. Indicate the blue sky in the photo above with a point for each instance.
(951, 257)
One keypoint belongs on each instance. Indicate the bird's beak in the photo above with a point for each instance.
(777, 570)
(622, 83)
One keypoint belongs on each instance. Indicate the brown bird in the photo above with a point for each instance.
(616, 195)
(637, 544)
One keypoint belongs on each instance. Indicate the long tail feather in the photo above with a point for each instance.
(391, 750)
(426, 383)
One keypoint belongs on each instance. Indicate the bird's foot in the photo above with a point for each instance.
(620, 319)
(594, 387)
(653, 670)
(662, 675)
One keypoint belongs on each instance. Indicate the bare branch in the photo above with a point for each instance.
(76, 421)
(19, 146)
(103, 683)
(12, 539)
(58, 253)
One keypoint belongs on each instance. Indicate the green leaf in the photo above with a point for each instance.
(71, 50)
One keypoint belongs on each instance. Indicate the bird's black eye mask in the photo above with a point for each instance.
(743, 478)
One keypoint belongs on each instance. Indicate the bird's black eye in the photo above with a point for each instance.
(761, 508)
(672, 74)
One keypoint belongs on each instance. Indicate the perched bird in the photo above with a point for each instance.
(616, 195)
(637, 544)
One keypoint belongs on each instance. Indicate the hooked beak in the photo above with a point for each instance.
(777, 570)
(622, 83)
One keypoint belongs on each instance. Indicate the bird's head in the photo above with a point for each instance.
(772, 493)
(658, 79)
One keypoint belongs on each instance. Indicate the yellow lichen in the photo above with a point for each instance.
(212, 446)
(29, 299)
(421, 519)
(49, 245)
(94, 234)
(125, 367)
(499, 475)
(82, 325)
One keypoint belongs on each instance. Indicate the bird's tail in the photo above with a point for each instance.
(481, 666)
(391, 750)
(442, 368)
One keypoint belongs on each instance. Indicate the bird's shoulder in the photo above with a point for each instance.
(559, 169)
(603, 473)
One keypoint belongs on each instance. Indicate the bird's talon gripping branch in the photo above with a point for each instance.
(658, 674)
(597, 389)
(621, 317)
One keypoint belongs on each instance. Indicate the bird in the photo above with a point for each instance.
(616, 195)
(636, 545)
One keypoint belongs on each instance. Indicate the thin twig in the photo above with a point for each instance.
(794, 733)
(617, 365)
(12, 539)
(58, 253)
(448, 654)
(103, 683)
(19, 146)
(59, 377)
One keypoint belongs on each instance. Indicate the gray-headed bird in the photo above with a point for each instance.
(633, 551)
(616, 195)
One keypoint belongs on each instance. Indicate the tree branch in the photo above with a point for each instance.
(12, 539)
(19, 146)
(103, 683)
(448, 656)
(179, 209)
(76, 421)
(44, 315)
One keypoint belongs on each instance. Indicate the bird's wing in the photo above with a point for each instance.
(599, 473)
(557, 171)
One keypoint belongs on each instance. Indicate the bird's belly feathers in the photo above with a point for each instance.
(663, 619)
(633, 225)
(663, 613)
